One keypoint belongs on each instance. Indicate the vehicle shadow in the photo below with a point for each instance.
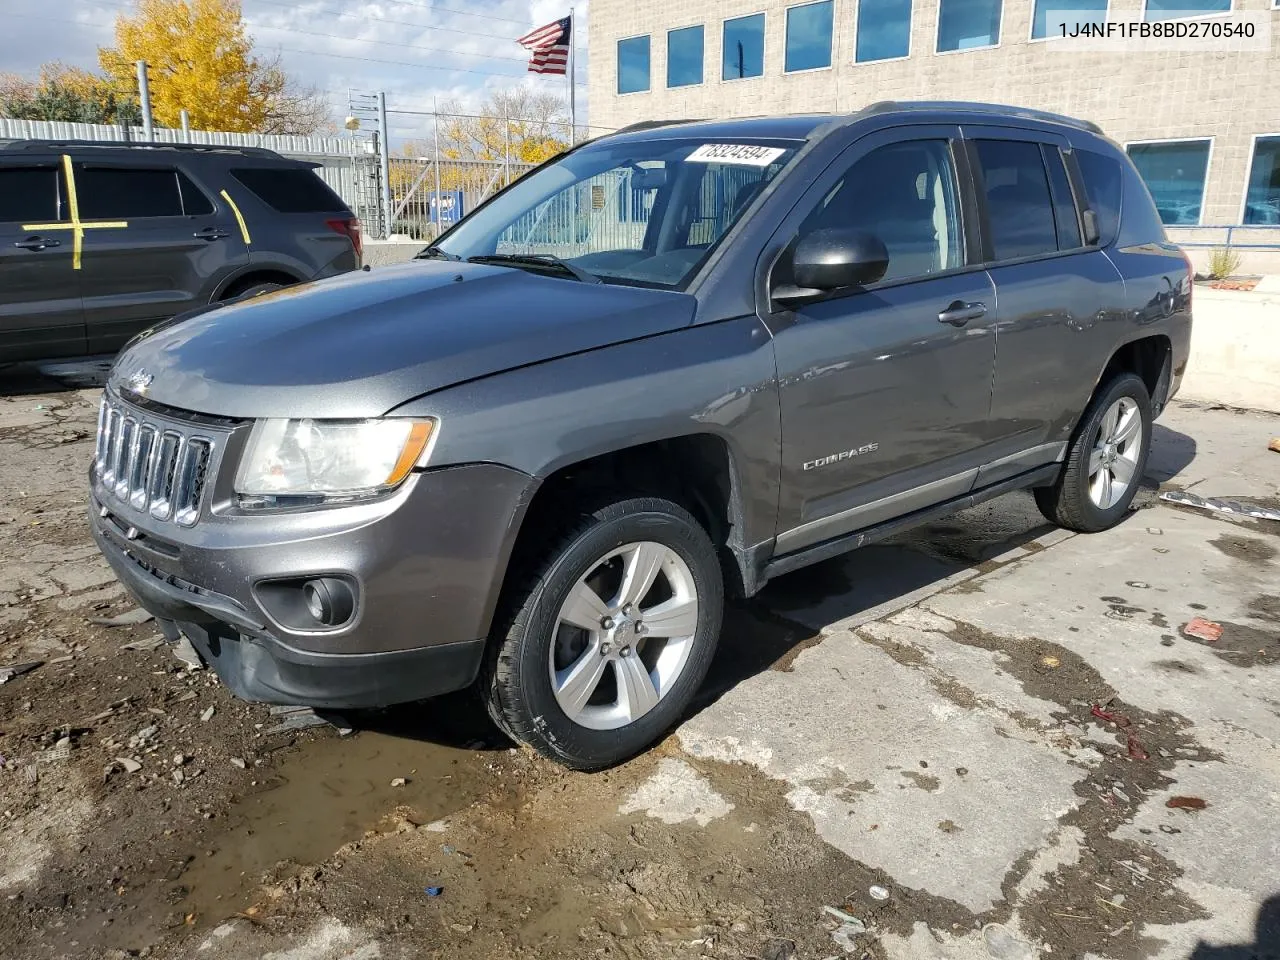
(54, 376)
(1266, 938)
(1171, 453)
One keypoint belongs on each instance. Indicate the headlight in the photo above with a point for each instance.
(317, 461)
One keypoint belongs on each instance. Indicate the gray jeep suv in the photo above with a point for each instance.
(669, 364)
(100, 240)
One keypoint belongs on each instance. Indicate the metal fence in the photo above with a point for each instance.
(429, 195)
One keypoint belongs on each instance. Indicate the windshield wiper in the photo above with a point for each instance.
(541, 260)
(435, 253)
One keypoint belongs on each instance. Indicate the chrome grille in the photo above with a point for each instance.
(150, 464)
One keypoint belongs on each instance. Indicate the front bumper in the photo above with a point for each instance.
(427, 562)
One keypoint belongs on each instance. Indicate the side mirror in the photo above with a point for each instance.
(837, 257)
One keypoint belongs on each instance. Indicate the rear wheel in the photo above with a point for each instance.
(1106, 461)
(611, 636)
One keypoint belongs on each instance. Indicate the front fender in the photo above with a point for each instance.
(717, 378)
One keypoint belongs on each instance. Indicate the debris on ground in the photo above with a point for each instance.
(185, 652)
(1185, 803)
(1274, 445)
(207, 715)
(239, 762)
(9, 671)
(434, 891)
(300, 718)
(878, 892)
(1203, 629)
(399, 782)
(1221, 505)
(1133, 745)
(128, 764)
(143, 646)
(127, 619)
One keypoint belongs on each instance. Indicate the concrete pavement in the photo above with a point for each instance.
(952, 743)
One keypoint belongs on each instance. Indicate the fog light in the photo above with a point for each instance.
(329, 600)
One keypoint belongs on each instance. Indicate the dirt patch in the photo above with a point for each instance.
(923, 781)
(1077, 910)
(1245, 549)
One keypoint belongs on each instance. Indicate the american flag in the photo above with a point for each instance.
(549, 46)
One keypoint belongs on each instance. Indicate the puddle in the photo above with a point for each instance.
(327, 793)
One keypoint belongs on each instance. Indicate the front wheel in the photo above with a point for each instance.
(1106, 461)
(610, 637)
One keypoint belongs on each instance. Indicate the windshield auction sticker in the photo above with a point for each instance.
(747, 154)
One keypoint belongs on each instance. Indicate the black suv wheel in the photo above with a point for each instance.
(1106, 461)
(611, 636)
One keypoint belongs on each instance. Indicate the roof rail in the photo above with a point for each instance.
(965, 106)
(650, 124)
(31, 145)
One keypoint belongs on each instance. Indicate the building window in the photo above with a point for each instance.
(809, 36)
(1175, 173)
(633, 65)
(1262, 199)
(684, 56)
(1072, 11)
(1172, 9)
(967, 24)
(743, 50)
(884, 30)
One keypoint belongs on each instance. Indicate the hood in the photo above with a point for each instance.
(362, 343)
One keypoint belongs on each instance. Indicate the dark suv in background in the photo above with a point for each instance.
(99, 241)
(667, 365)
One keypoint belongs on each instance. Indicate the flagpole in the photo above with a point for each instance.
(573, 115)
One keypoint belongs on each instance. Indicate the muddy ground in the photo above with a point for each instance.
(934, 720)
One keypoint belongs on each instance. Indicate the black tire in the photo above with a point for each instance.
(517, 683)
(1068, 502)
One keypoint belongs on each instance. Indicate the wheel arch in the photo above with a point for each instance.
(251, 275)
(697, 470)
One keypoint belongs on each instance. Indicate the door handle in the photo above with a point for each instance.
(211, 233)
(37, 243)
(959, 313)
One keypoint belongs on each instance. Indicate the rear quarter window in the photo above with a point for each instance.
(1102, 178)
(290, 190)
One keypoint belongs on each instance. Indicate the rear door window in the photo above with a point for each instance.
(28, 194)
(290, 190)
(127, 193)
(1065, 216)
(194, 201)
(1019, 205)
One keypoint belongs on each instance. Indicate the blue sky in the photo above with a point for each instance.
(414, 50)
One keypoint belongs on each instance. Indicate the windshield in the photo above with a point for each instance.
(646, 213)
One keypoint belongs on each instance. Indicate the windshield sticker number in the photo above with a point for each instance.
(746, 154)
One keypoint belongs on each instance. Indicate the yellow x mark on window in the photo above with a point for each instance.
(76, 225)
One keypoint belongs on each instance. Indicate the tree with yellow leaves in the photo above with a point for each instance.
(201, 59)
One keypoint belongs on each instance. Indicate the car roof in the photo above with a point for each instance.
(805, 126)
(101, 147)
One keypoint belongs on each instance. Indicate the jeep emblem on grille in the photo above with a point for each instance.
(139, 381)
